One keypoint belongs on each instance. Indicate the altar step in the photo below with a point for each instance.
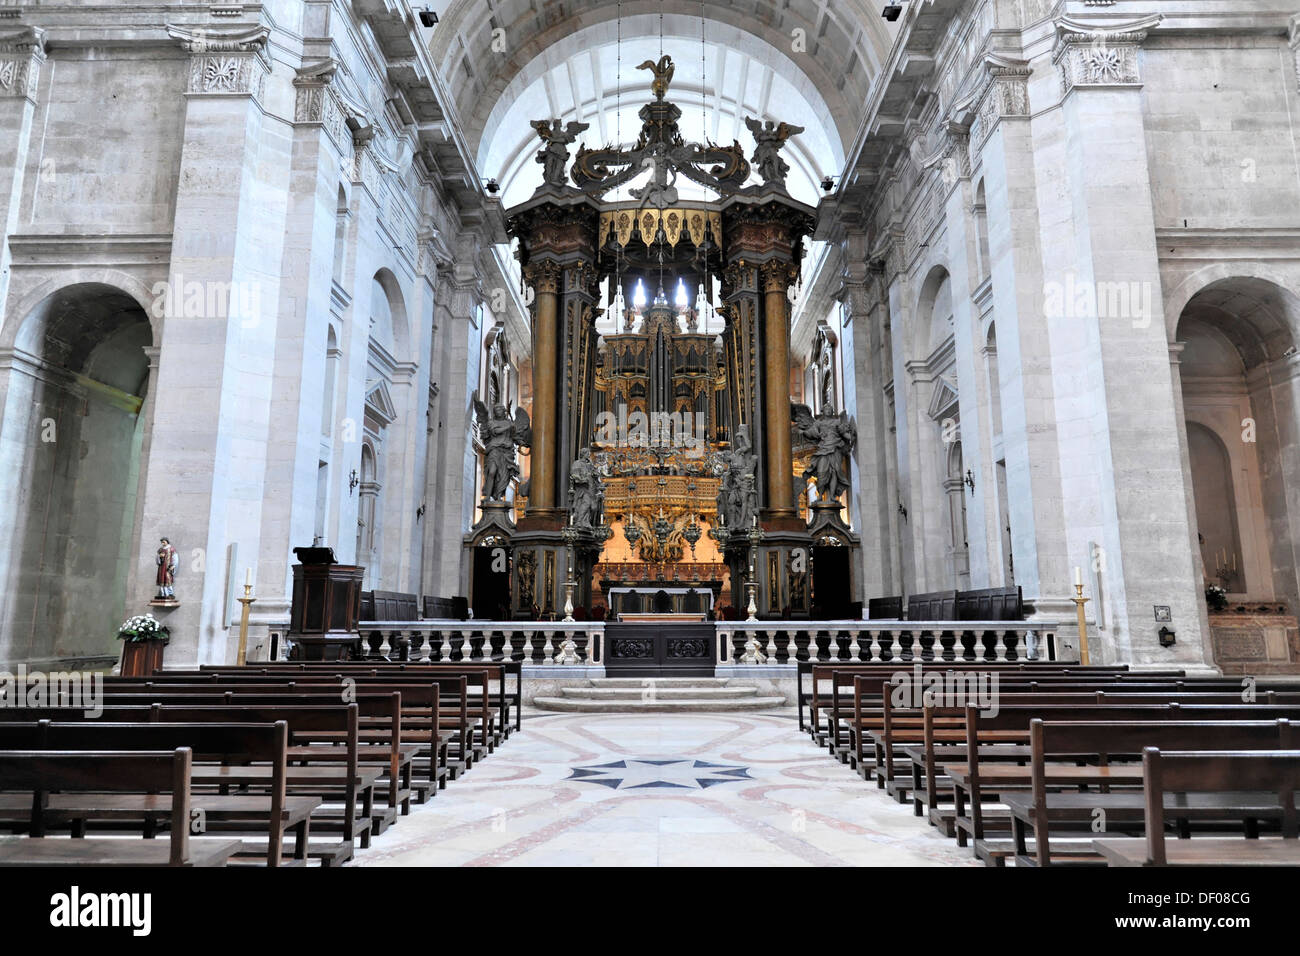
(633, 695)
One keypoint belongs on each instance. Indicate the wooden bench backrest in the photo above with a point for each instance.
(1276, 771)
(212, 742)
(106, 772)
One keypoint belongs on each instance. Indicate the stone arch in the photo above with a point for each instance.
(934, 295)
(73, 429)
(388, 315)
(147, 297)
(1237, 335)
(1177, 298)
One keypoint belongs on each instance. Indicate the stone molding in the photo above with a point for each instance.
(22, 52)
(1089, 56)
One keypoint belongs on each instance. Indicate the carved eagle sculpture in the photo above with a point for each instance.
(663, 71)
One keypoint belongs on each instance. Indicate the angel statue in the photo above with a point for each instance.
(769, 137)
(586, 494)
(500, 434)
(663, 71)
(554, 154)
(834, 436)
(659, 191)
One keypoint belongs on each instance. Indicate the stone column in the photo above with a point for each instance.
(864, 399)
(776, 278)
(1001, 132)
(22, 53)
(1121, 460)
(453, 459)
(320, 141)
(544, 276)
(204, 485)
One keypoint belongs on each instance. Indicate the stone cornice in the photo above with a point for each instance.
(200, 40)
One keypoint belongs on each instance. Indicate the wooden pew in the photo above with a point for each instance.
(39, 772)
(1276, 772)
(902, 732)
(457, 716)
(353, 785)
(1011, 725)
(386, 735)
(464, 690)
(223, 743)
(1110, 744)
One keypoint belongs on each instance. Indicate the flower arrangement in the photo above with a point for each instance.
(143, 627)
(1216, 598)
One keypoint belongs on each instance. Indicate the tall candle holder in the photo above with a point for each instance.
(241, 658)
(1079, 601)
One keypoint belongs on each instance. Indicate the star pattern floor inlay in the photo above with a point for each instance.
(632, 774)
(771, 798)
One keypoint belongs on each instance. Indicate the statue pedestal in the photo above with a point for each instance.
(541, 568)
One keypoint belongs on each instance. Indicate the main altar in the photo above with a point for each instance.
(663, 454)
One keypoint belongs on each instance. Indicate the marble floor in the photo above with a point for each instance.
(661, 790)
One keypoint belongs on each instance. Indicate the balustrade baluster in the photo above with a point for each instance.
(855, 652)
(528, 645)
(444, 646)
(833, 646)
(548, 649)
(1012, 640)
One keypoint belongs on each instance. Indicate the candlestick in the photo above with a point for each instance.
(1079, 601)
(241, 657)
(1078, 576)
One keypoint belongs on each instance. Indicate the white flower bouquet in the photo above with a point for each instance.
(143, 627)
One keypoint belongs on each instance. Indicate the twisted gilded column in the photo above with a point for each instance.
(544, 277)
(775, 278)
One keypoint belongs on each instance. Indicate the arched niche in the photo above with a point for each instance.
(71, 440)
(1241, 414)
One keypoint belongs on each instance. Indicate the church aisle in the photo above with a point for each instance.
(661, 790)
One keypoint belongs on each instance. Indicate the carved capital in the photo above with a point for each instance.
(739, 276)
(1093, 57)
(1005, 93)
(225, 63)
(1293, 38)
(777, 276)
(544, 276)
(582, 278)
(316, 102)
(22, 52)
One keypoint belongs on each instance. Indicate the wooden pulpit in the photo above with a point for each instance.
(326, 607)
